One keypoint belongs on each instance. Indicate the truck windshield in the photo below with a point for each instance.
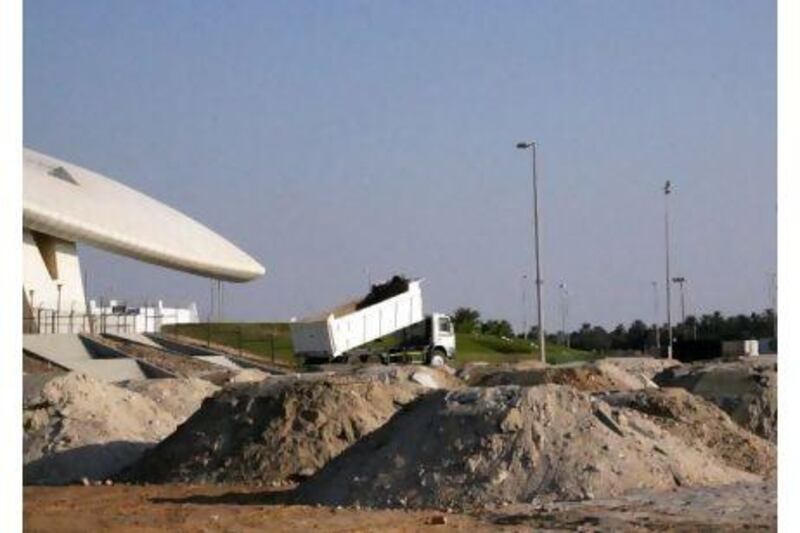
(444, 325)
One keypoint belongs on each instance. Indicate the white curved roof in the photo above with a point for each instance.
(75, 204)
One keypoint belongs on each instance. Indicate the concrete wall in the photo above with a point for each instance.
(48, 262)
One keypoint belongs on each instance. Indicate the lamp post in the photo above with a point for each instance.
(564, 310)
(525, 306)
(58, 308)
(655, 314)
(539, 314)
(667, 191)
(680, 280)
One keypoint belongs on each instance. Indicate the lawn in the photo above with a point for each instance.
(477, 347)
(272, 339)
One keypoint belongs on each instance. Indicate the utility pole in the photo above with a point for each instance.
(525, 331)
(564, 310)
(655, 314)
(58, 307)
(539, 313)
(680, 280)
(667, 191)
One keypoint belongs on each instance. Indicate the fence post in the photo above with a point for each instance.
(272, 345)
(239, 330)
(208, 334)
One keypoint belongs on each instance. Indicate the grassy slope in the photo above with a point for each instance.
(256, 339)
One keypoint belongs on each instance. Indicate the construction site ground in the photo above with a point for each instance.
(632, 444)
(248, 508)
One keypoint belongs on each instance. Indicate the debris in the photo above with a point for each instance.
(471, 461)
(76, 427)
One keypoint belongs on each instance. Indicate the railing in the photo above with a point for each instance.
(43, 320)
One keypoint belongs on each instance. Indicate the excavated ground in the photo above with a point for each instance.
(283, 429)
(746, 389)
(489, 446)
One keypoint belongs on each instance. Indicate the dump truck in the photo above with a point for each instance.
(388, 324)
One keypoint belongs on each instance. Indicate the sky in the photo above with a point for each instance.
(342, 142)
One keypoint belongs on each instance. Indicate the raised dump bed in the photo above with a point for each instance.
(333, 333)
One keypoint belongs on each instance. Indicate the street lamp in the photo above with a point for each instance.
(655, 314)
(564, 310)
(667, 191)
(539, 314)
(525, 306)
(680, 280)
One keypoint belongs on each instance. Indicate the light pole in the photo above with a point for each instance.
(58, 307)
(680, 280)
(655, 314)
(525, 306)
(539, 314)
(564, 310)
(667, 191)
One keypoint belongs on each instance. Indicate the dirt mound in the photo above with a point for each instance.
(479, 447)
(75, 427)
(643, 366)
(591, 377)
(283, 428)
(703, 424)
(747, 390)
(181, 397)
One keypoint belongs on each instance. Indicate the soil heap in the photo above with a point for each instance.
(77, 427)
(181, 397)
(701, 423)
(746, 389)
(482, 447)
(591, 377)
(284, 428)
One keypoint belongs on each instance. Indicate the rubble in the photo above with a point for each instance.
(284, 428)
(75, 427)
(488, 446)
(746, 389)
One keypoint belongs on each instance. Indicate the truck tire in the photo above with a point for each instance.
(437, 357)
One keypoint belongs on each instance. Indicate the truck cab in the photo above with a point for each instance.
(433, 339)
(442, 339)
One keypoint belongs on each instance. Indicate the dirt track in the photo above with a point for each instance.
(240, 508)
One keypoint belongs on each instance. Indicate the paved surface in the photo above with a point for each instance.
(71, 352)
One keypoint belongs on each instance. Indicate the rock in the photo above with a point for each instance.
(425, 379)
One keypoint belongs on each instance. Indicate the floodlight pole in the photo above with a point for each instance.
(667, 191)
(539, 312)
(525, 306)
(655, 314)
(564, 308)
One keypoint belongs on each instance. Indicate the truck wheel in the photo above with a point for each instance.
(437, 357)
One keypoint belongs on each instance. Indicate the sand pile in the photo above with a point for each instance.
(591, 377)
(643, 366)
(746, 389)
(702, 424)
(180, 397)
(284, 428)
(479, 447)
(75, 427)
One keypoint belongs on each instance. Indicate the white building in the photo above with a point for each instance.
(64, 204)
(119, 317)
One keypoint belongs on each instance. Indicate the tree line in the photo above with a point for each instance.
(637, 335)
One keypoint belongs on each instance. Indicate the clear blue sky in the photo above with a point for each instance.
(326, 138)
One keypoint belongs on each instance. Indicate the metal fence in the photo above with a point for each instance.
(44, 320)
(233, 338)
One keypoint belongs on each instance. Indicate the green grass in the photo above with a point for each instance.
(491, 349)
(257, 338)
